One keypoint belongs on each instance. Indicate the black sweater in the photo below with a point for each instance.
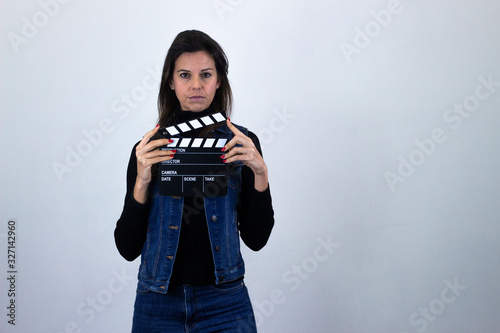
(194, 262)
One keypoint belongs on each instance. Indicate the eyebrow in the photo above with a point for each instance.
(203, 70)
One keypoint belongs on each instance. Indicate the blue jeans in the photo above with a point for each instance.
(195, 309)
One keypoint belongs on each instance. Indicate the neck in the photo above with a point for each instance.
(183, 116)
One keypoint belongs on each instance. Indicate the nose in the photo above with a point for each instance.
(196, 82)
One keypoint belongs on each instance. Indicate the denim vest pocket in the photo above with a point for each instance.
(141, 289)
(228, 287)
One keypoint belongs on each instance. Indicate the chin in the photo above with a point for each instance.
(198, 108)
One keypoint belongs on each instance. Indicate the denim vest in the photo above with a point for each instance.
(164, 227)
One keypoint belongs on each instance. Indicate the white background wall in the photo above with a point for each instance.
(357, 104)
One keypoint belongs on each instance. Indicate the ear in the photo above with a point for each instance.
(218, 84)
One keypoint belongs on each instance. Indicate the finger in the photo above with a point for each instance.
(157, 143)
(241, 154)
(247, 159)
(250, 158)
(159, 153)
(147, 137)
(152, 145)
(147, 160)
(235, 158)
(232, 127)
(229, 145)
(236, 133)
(160, 159)
(241, 139)
(232, 152)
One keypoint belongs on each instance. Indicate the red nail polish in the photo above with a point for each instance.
(223, 156)
(170, 140)
(174, 151)
(223, 149)
(224, 161)
(228, 118)
(157, 126)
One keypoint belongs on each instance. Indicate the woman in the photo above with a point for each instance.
(191, 273)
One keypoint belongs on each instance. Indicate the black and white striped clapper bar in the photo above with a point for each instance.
(196, 168)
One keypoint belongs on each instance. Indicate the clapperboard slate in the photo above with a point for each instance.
(196, 167)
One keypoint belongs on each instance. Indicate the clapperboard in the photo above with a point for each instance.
(196, 167)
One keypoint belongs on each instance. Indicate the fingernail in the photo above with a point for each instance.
(170, 140)
(224, 161)
(223, 156)
(228, 118)
(174, 151)
(223, 149)
(158, 125)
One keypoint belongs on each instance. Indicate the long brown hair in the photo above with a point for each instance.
(193, 41)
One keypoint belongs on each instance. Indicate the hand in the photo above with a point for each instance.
(148, 154)
(248, 154)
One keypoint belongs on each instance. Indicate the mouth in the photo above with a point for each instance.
(196, 98)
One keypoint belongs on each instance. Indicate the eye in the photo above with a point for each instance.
(184, 75)
(206, 75)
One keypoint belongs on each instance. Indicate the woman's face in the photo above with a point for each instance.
(195, 80)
